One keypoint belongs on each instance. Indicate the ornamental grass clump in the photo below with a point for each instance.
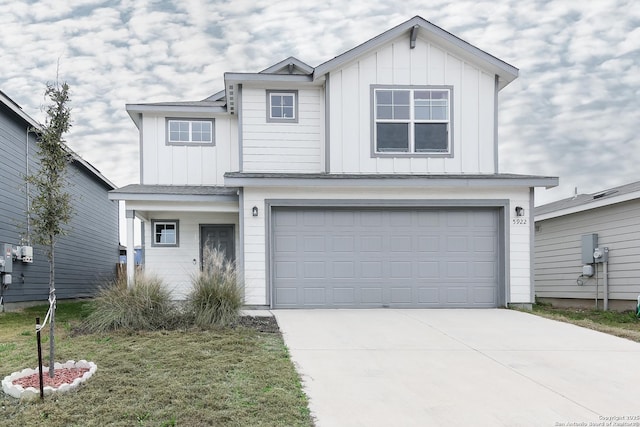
(217, 293)
(146, 305)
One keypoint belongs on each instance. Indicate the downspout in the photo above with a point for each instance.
(28, 213)
(605, 297)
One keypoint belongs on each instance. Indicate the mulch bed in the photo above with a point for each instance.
(61, 376)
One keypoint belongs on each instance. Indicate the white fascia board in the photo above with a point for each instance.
(388, 182)
(147, 108)
(144, 207)
(135, 111)
(266, 78)
(173, 197)
(586, 207)
(506, 72)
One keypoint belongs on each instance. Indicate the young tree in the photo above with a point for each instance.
(51, 208)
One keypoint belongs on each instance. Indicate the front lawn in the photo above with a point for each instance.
(621, 324)
(230, 377)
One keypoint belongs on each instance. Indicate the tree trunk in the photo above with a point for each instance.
(52, 320)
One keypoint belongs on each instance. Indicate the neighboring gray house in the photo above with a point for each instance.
(614, 216)
(89, 253)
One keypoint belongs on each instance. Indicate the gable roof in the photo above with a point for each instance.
(289, 66)
(293, 70)
(505, 72)
(584, 202)
(15, 108)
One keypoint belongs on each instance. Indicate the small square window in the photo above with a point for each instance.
(282, 106)
(165, 233)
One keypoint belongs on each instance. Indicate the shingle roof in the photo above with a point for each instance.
(584, 200)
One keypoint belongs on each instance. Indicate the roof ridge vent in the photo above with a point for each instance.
(604, 194)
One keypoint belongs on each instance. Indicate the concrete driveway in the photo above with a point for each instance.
(460, 368)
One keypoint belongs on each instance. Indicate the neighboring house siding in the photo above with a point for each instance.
(397, 64)
(282, 147)
(87, 256)
(558, 252)
(175, 265)
(165, 164)
(255, 238)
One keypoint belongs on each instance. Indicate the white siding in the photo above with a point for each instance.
(397, 64)
(175, 265)
(165, 164)
(558, 252)
(282, 147)
(255, 241)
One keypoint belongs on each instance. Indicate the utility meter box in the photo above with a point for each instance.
(601, 254)
(589, 245)
(6, 263)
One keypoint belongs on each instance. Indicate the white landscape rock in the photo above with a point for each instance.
(29, 393)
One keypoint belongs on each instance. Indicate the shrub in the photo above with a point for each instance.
(217, 293)
(146, 305)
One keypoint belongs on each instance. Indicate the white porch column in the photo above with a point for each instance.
(131, 258)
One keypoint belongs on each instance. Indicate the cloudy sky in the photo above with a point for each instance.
(574, 112)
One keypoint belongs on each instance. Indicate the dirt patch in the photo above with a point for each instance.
(266, 324)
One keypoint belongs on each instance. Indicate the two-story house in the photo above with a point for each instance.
(370, 180)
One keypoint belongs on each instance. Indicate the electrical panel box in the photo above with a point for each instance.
(6, 263)
(589, 245)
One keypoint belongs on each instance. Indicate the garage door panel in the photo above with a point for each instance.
(402, 295)
(313, 243)
(371, 269)
(364, 258)
(286, 243)
(343, 270)
(371, 295)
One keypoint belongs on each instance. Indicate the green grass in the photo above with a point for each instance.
(622, 324)
(230, 377)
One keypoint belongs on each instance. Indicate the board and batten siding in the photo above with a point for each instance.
(175, 265)
(558, 252)
(282, 147)
(255, 271)
(164, 164)
(87, 256)
(396, 64)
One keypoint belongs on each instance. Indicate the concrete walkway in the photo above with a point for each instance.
(460, 368)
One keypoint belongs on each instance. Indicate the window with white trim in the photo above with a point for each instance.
(413, 120)
(282, 106)
(165, 233)
(192, 131)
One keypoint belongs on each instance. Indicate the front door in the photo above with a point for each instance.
(220, 237)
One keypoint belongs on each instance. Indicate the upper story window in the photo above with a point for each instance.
(412, 120)
(165, 232)
(282, 106)
(190, 131)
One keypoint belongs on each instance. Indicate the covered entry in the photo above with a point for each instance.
(385, 257)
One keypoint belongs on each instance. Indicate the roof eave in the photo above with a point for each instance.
(589, 206)
(315, 180)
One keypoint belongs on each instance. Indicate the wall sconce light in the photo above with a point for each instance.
(519, 211)
(254, 211)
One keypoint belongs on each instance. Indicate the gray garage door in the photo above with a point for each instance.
(363, 258)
